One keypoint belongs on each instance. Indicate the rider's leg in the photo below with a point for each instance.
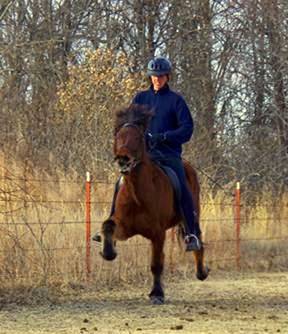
(191, 223)
(97, 236)
(116, 190)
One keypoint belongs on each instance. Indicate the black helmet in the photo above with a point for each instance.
(159, 66)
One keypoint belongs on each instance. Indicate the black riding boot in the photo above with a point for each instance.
(192, 240)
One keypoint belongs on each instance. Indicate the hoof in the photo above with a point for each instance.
(202, 275)
(108, 257)
(157, 300)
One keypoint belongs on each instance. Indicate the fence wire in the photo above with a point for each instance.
(16, 225)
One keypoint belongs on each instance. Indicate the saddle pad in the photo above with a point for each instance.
(175, 183)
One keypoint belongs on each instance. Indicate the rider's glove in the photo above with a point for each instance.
(156, 139)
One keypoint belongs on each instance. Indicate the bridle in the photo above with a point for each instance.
(127, 165)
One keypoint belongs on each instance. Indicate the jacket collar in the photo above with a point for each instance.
(161, 91)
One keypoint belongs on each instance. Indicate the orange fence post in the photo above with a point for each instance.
(88, 223)
(237, 217)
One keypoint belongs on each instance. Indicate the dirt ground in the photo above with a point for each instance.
(225, 303)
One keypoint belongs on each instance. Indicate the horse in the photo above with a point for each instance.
(145, 202)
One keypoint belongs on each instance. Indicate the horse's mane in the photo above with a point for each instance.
(134, 114)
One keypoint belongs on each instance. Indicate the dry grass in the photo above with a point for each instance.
(43, 235)
(225, 303)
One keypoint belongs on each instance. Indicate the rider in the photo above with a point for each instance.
(169, 128)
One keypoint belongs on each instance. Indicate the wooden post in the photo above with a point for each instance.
(237, 217)
(88, 224)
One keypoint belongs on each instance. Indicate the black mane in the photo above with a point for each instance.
(135, 114)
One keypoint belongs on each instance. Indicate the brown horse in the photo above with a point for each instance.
(145, 201)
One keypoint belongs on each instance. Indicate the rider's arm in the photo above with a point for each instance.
(185, 124)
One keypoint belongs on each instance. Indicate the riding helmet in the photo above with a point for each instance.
(159, 66)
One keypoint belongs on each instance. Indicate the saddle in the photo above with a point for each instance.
(177, 194)
(175, 184)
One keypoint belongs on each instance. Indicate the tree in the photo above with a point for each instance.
(88, 100)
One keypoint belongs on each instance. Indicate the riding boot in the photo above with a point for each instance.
(97, 236)
(191, 232)
(191, 229)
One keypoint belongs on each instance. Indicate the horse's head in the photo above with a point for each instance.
(129, 144)
(129, 147)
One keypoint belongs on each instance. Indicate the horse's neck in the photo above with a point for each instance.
(139, 182)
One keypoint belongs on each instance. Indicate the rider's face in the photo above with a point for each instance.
(159, 81)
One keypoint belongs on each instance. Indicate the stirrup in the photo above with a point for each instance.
(192, 243)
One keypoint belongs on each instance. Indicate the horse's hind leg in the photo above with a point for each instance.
(202, 271)
(157, 294)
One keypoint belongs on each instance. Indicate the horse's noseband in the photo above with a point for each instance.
(126, 163)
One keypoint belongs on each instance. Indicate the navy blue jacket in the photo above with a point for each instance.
(172, 118)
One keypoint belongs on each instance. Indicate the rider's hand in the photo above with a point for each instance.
(156, 139)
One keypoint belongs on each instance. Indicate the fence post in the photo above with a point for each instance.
(88, 223)
(237, 218)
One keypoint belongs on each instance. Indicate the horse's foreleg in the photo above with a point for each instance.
(157, 294)
(202, 271)
(108, 230)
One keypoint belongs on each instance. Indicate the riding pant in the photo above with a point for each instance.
(186, 200)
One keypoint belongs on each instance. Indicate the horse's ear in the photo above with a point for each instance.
(135, 114)
(148, 115)
(144, 115)
(120, 119)
(142, 128)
